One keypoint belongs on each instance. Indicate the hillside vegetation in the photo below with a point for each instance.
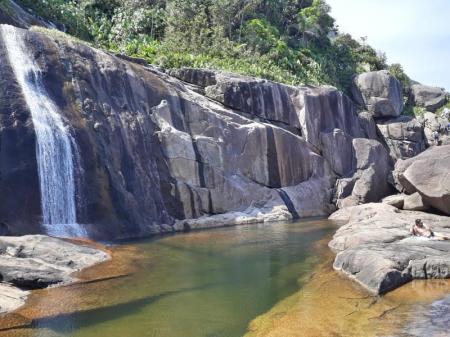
(290, 41)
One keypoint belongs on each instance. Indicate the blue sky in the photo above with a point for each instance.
(414, 33)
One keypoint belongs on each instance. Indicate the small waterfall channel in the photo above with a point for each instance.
(55, 146)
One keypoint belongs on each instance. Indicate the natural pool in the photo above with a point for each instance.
(199, 284)
(257, 280)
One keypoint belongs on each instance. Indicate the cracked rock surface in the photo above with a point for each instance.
(376, 249)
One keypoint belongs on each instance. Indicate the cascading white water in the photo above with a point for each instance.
(55, 145)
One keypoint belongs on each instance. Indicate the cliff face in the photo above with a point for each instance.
(155, 149)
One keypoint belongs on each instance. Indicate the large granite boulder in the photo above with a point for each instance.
(379, 92)
(428, 97)
(427, 174)
(404, 135)
(369, 183)
(434, 123)
(375, 247)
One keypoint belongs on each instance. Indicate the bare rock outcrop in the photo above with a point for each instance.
(369, 183)
(378, 92)
(156, 149)
(375, 247)
(428, 97)
(427, 174)
(37, 261)
(404, 136)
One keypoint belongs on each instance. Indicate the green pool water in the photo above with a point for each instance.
(199, 284)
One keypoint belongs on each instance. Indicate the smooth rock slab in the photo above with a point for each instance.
(376, 249)
(11, 298)
(38, 261)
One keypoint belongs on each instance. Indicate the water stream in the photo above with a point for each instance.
(55, 146)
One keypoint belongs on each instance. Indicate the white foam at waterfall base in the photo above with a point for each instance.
(55, 145)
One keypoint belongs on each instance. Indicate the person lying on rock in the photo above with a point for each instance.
(421, 229)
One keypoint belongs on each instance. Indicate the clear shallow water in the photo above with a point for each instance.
(260, 280)
(201, 284)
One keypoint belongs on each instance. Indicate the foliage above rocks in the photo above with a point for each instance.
(289, 41)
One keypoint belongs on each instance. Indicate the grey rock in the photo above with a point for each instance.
(376, 249)
(325, 109)
(33, 262)
(397, 200)
(200, 77)
(368, 125)
(13, 14)
(370, 181)
(428, 97)
(404, 136)
(154, 151)
(427, 174)
(11, 298)
(432, 123)
(379, 92)
(338, 150)
(414, 202)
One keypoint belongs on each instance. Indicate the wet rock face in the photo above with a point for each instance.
(155, 150)
(430, 98)
(379, 92)
(428, 175)
(19, 182)
(376, 249)
(152, 151)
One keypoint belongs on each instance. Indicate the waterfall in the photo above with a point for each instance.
(55, 145)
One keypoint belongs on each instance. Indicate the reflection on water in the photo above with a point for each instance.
(260, 280)
(331, 305)
(209, 284)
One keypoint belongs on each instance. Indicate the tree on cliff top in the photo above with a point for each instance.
(291, 41)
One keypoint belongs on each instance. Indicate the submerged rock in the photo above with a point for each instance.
(376, 249)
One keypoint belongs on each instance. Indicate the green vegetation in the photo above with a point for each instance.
(397, 71)
(290, 41)
(5, 7)
(440, 111)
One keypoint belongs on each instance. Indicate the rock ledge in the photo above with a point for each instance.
(375, 247)
(38, 261)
